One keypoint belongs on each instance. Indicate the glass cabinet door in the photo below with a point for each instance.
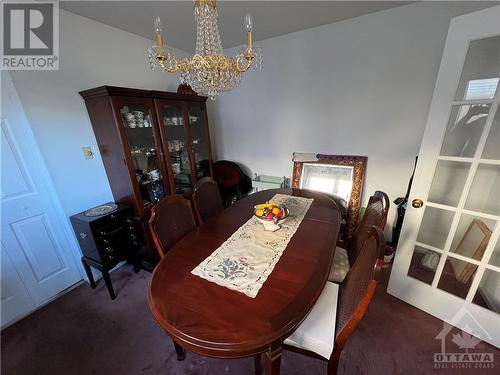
(200, 141)
(138, 123)
(175, 135)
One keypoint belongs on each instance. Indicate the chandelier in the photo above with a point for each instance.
(209, 72)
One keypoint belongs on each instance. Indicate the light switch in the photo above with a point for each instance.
(87, 153)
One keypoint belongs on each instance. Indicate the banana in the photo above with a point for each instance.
(261, 206)
(269, 204)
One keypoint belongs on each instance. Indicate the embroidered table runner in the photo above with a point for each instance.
(248, 257)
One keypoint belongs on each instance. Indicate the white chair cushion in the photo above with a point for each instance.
(340, 266)
(317, 332)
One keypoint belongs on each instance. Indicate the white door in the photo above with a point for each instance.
(37, 262)
(16, 301)
(448, 258)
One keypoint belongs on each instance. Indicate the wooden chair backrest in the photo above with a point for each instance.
(375, 215)
(171, 219)
(206, 198)
(357, 289)
(376, 210)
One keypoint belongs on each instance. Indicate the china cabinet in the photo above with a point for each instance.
(152, 144)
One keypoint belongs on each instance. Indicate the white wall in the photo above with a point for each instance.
(91, 54)
(361, 87)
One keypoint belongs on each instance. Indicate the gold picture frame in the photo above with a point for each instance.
(358, 164)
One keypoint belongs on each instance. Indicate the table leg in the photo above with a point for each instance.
(258, 364)
(273, 356)
(181, 354)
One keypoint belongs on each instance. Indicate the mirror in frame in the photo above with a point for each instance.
(340, 176)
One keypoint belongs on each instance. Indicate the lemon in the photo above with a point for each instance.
(259, 212)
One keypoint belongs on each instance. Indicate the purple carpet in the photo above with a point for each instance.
(84, 332)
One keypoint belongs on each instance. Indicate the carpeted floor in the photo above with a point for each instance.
(84, 332)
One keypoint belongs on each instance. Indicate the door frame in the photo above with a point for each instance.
(27, 137)
(445, 306)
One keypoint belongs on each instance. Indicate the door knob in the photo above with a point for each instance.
(417, 203)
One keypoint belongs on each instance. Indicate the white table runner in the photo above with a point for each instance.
(248, 257)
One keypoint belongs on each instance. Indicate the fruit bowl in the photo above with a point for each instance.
(271, 212)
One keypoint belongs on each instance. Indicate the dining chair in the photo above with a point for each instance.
(206, 198)
(375, 215)
(171, 219)
(340, 308)
(233, 183)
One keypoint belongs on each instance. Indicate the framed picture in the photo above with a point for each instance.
(338, 175)
(472, 245)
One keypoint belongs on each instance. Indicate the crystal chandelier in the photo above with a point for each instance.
(209, 72)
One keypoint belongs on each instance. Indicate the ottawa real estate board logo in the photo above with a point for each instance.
(458, 348)
(30, 35)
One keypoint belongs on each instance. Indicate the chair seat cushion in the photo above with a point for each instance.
(340, 266)
(317, 332)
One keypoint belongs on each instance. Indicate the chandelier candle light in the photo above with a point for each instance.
(209, 72)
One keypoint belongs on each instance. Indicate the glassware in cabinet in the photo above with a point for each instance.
(175, 135)
(200, 140)
(143, 145)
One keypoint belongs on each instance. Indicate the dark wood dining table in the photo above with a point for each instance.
(205, 318)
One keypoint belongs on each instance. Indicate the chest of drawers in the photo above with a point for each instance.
(107, 240)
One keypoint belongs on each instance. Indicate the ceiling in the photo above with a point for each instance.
(271, 18)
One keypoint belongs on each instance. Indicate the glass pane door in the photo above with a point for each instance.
(457, 247)
(448, 259)
(178, 149)
(200, 140)
(139, 130)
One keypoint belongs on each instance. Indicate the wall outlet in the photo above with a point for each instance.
(87, 153)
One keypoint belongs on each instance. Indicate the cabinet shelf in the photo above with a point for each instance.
(138, 128)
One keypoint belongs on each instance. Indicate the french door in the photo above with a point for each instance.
(448, 258)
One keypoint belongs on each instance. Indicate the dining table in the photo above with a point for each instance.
(211, 320)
